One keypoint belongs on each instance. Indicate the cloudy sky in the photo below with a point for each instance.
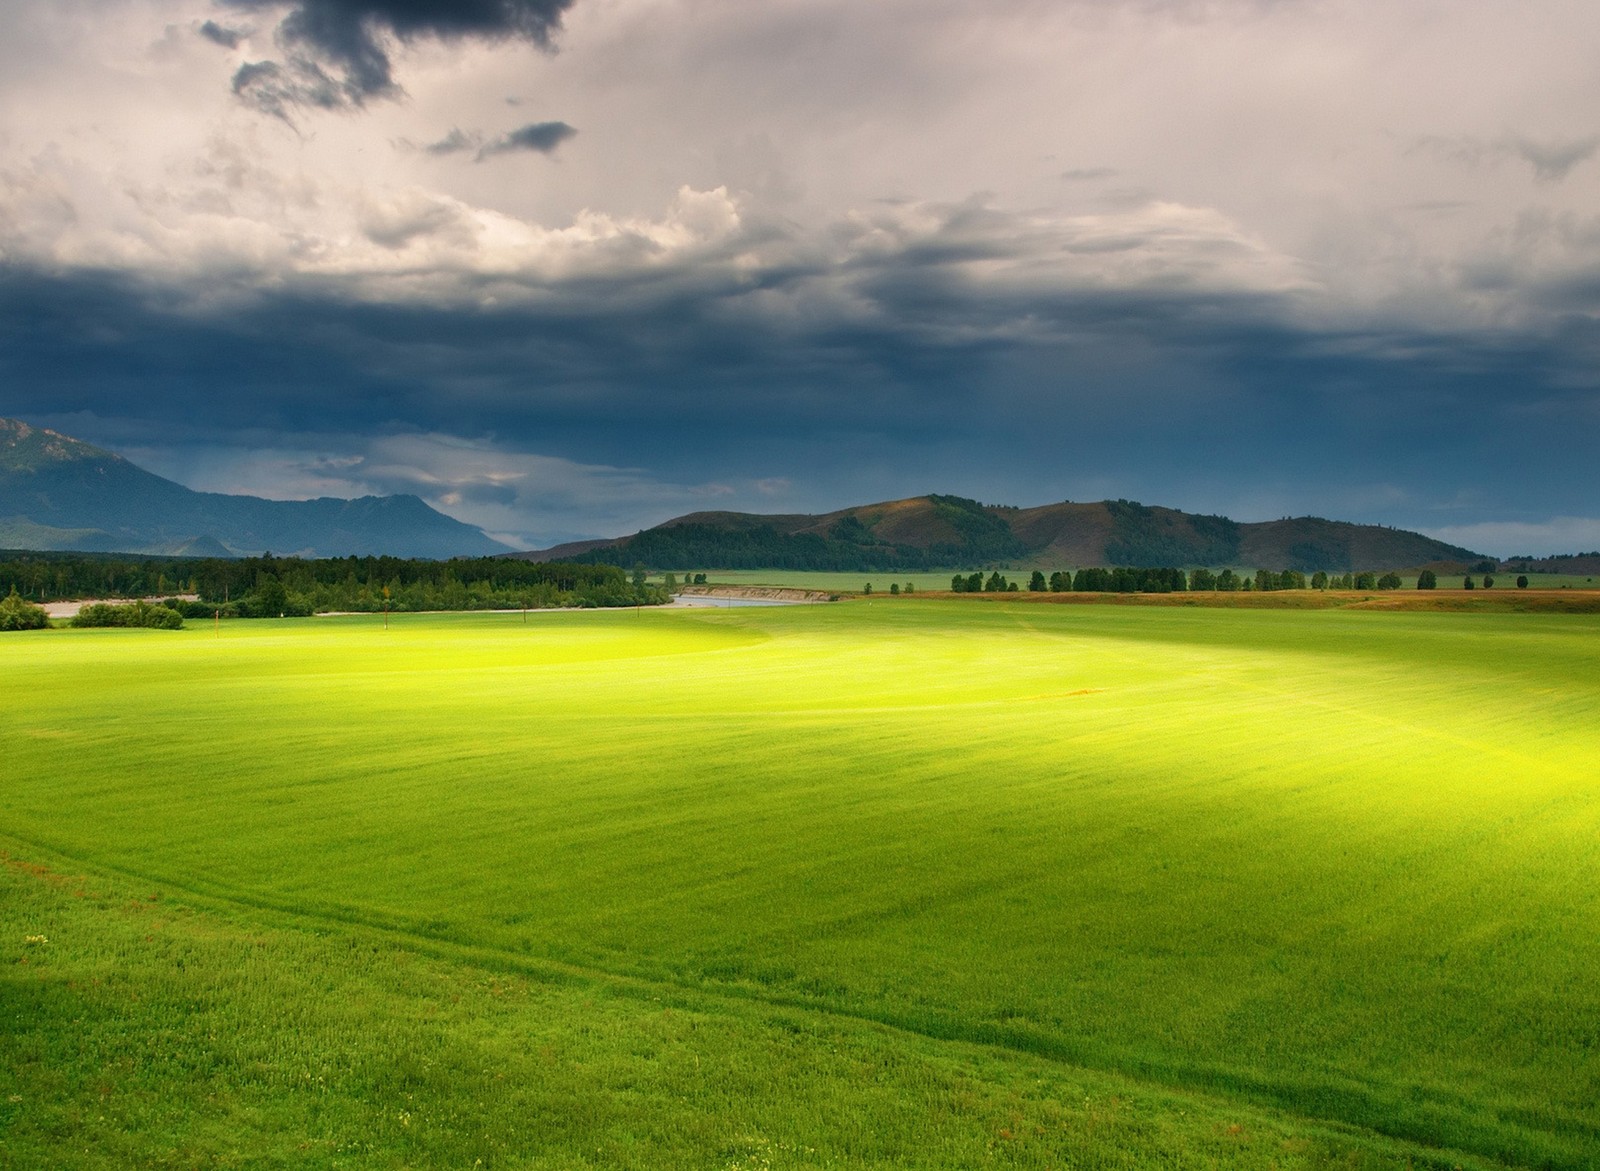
(570, 267)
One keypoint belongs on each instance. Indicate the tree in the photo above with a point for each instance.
(18, 614)
(868, 590)
(1389, 581)
(271, 598)
(911, 587)
(639, 576)
(894, 587)
(1366, 581)
(1319, 580)
(975, 582)
(996, 583)
(1036, 583)
(1522, 582)
(1060, 582)
(1488, 582)
(958, 584)
(1466, 582)
(1427, 580)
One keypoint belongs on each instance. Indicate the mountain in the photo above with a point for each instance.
(942, 532)
(60, 493)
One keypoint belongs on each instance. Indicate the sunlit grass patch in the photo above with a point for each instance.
(1334, 864)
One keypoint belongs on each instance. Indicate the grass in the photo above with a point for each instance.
(824, 886)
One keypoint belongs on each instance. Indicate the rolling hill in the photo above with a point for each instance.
(928, 532)
(57, 492)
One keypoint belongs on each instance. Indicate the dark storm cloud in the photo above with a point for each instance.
(926, 383)
(1551, 159)
(455, 142)
(541, 137)
(275, 89)
(228, 38)
(336, 53)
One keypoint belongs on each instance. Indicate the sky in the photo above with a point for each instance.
(569, 268)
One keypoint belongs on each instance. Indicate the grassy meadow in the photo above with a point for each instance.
(923, 884)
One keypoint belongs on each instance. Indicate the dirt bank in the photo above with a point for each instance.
(754, 593)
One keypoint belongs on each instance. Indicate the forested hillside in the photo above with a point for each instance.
(951, 532)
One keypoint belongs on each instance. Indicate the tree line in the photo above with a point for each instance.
(268, 586)
(1124, 579)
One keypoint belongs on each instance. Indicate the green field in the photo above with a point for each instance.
(928, 884)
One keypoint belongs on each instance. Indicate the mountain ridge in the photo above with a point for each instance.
(60, 493)
(946, 532)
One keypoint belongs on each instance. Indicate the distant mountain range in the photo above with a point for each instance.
(57, 492)
(60, 493)
(938, 532)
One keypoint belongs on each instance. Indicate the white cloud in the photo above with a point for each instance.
(1559, 534)
(1252, 145)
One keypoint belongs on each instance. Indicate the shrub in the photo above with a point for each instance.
(133, 614)
(191, 609)
(16, 613)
